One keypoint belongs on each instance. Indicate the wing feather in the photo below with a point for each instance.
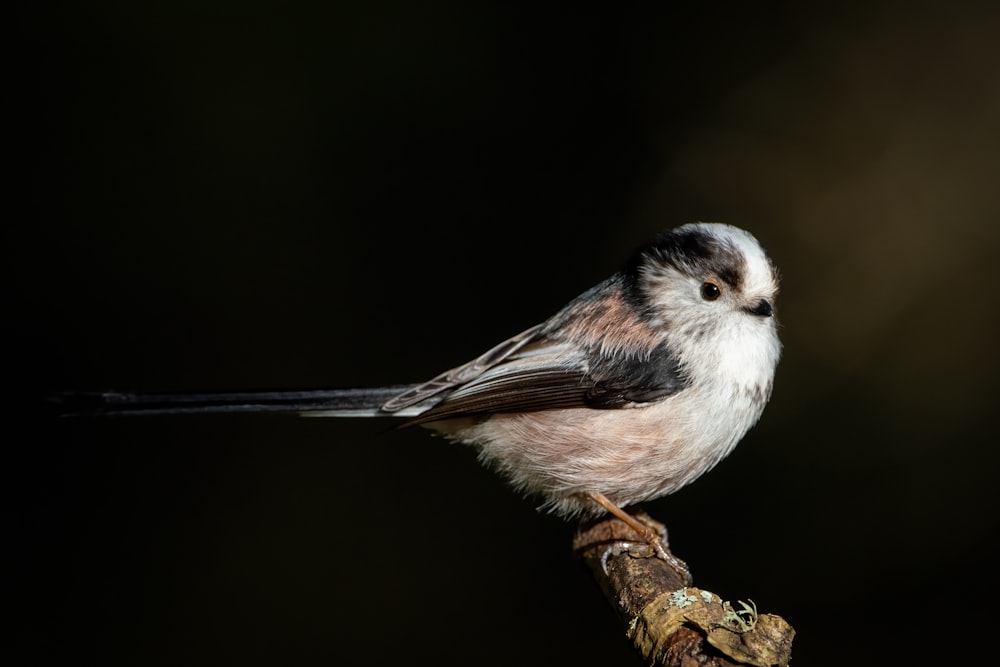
(576, 381)
(598, 352)
(462, 374)
(513, 390)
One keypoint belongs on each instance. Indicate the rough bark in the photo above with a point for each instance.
(669, 621)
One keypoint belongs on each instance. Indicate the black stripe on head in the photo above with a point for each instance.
(694, 252)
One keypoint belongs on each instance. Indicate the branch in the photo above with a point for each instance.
(669, 621)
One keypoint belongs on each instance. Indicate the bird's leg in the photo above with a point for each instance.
(653, 533)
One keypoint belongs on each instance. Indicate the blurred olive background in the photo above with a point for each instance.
(239, 195)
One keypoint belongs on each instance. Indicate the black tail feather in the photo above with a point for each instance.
(352, 402)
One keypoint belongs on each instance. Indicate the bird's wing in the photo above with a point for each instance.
(548, 375)
(597, 352)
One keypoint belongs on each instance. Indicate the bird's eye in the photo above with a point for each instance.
(710, 290)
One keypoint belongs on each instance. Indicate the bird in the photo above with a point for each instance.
(631, 391)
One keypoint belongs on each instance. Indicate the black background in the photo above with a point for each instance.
(252, 194)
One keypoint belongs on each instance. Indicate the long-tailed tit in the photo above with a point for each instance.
(631, 391)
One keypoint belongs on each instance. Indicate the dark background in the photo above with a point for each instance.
(249, 195)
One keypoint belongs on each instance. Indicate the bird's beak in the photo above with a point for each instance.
(762, 308)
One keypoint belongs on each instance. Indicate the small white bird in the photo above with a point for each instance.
(631, 391)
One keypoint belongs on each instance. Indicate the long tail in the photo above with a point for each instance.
(318, 402)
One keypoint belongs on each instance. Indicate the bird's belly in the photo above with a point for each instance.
(630, 455)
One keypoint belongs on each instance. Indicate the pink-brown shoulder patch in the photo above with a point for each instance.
(611, 324)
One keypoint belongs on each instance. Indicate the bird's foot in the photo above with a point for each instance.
(653, 542)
